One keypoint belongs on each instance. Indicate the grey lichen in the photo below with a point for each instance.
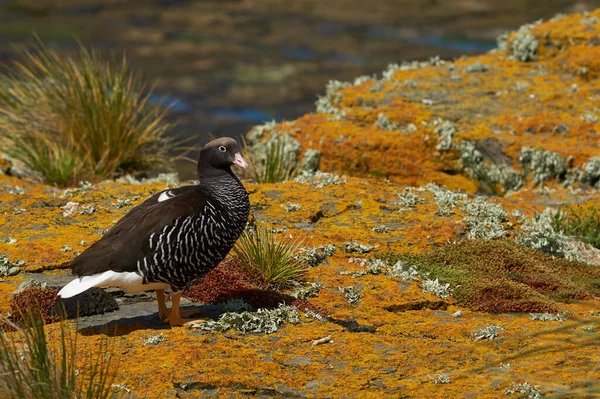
(357, 247)
(235, 305)
(408, 199)
(373, 266)
(123, 202)
(384, 123)
(169, 178)
(87, 210)
(544, 165)
(488, 172)
(445, 132)
(351, 293)
(446, 199)
(265, 321)
(260, 130)
(16, 190)
(441, 379)
(311, 160)
(314, 256)
(154, 340)
(84, 187)
(311, 291)
(547, 317)
(281, 143)
(525, 389)
(484, 220)
(435, 287)
(381, 228)
(328, 104)
(291, 207)
(405, 271)
(320, 179)
(490, 332)
(589, 329)
(7, 268)
(524, 47)
(590, 172)
(477, 67)
(538, 233)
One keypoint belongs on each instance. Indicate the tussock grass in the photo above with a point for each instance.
(272, 165)
(33, 367)
(578, 222)
(274, 263)
(79, 118)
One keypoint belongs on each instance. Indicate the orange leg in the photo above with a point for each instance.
(175, 317)
(163, 311)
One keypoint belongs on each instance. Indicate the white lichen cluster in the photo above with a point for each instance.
(311, 291)
(235, 305)
(169, 178)
(16, 190)
(405, 271)
(383, 122)
(590, 172)
(490, 332)
(329, 103)
(589, 329)
(69, 208)
(314, 315)
(445, 132)
(435, 287)
(291, 207)
(547, 317)
(311, 160)
(525, 389)
(408, 199)
(524, 47)
(8, 268)
(351, 293)
(382, 228)
(154, 340)
(320, 179)
(355, 246)
(265, 321)
(373, 266)
(441, 379)
(477, 67)
(121, 387)
(123, 202)
(313, 256)
(538, 233)
(259, 131)
(84, 187)
(87, 210)
(485, 219)
(489, 173)
(445, 199)
(544, 165)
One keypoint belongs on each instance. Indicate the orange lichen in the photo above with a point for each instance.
(415, 337)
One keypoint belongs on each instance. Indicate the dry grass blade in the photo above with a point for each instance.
(35, 367)
(79, 118)
(273, 262)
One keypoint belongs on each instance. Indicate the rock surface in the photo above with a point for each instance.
(395, 331)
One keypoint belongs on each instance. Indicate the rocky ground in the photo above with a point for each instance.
(425, 288)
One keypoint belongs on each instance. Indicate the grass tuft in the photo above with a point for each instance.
(578, 222)
(79, 118)
(33, 366)
(273, 164)
(274, 263)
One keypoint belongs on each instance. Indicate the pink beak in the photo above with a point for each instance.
(239, 160)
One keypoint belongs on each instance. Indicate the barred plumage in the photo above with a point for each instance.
(174, 237)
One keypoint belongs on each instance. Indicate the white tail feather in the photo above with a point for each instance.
(129, 281)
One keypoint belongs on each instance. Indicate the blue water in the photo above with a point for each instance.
(175, 104)
(246, 114)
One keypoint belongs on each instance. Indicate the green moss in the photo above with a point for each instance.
(501, 276)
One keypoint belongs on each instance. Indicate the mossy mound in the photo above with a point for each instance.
(502, 276)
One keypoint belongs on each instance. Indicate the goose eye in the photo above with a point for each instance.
(222, 148)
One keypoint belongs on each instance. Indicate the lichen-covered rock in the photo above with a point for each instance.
(388, 128)
(396, 241)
